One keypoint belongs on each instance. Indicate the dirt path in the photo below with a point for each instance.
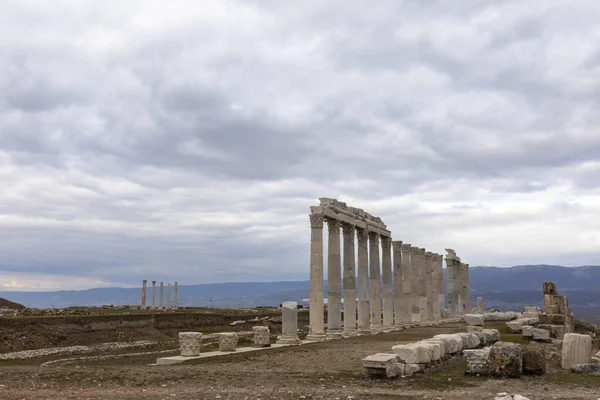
(329, 370)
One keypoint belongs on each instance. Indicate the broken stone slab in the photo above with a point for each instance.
(440, 343)
(576, 349)
(454, 342)
(190, 343)
(534, 361)
(408, 369)
(470, 340)
(585, 368)
(500, 316)
(434, 349)
(527, 331)
(540, 335)
(515, 326)
(413, 353)
(506, 360)
(477, 361)
(381, 365)
(474, 319)
(491, 335)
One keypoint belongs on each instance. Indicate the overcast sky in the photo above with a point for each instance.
(186, 140)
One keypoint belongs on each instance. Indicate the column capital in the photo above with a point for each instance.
(362, 235)
(406, 247)
(348, 230)
(316, 220)
(397, 244)
(373, 238)
(333, 225)
(386, 242)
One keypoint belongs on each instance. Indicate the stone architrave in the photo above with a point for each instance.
(190, 343)
(349, 280)
(153, 294)
(363, 281)
(414, 284)
(428, 262)
(161, 294)
(168, 295)
(375, 283)
(421, 264)
(144, 283)
(289, 320)
(334, 281)
(317, 308)
(262, 336)
(406, 301)
(386, 275)
(398, 282)
(176, 295)
(576, 349)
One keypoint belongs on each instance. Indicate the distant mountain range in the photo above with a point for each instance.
(503, 288)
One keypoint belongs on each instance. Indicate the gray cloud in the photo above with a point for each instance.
(186, 142)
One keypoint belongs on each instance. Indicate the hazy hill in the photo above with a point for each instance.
(9, 304)
(505, 288)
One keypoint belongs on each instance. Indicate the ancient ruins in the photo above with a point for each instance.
(405, 285)
(161, 293)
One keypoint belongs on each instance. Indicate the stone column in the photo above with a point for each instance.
(406, 284)
(452, 284)
(153, 294)
(168, 295)
(386, 275)
(421, 265)
(317, 309)
(480, 305)
(428, 261)
(375, 283)
(414, 285)
(434, 287)
(398, 282)
(363, 281)
(289, 321)
(349, 281)
(467, 288)
(441, 297)
(464, 295)
(144, 283)
(334, 281)
(176, 295)
(161, 292)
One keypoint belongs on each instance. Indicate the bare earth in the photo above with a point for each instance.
(329, 370)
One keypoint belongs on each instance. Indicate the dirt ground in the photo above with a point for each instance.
(330, 370)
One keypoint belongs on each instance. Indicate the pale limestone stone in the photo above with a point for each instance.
(375, 283)
(506, 360)
(262, 336)
(542, 335)
(434, 349)
(289, 330)
(386, 279)
(491, 335)
(440, 343)
(190, 343)
(474, 319)
(480, 308)
(228, 341)
(349, 234)
(454, 343)
(515, 326)
(363, 281)
(381, 365)
(144, 290)
(576, 349)
(413, 353)
(477, 360)
(334, 281)
(470, 340)
(317, 307)
(408, 369)
(527, 331)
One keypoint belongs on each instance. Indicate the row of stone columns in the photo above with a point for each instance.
(409, 278)
(161, 292)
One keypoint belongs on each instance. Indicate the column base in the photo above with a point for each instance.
(349, 333)
(363, 331)
(288, 340)
(316, 337)
(389, 328)
(334, 334)
(376, 329)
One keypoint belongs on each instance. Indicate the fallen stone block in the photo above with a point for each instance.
(408, 369)
(552, 319)
(381, 365)
(576, 349)
(190, 343)
(527, 331)
(477, 361)
(534, 361)
(506, 360)
(515, 326)
(540, 335)
(413, 353)
(491, 335)
(434, 349)
(228, 341)
(440, 343)
(470, 340)
(585, 368)
(500, 316)
(262, 336)
(474, 319)
(454, 343)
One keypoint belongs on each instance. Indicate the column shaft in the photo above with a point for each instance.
(388, 292)
(427, 257)
(153, 294)
(144, 283)
(316, 310)
(168, 295)
(441, 297)
(334, 281)
(414, 284)
(406, 284)
(161, 293)
(467, 288)
(349, 281)
(176, 295)
(375, 282)
(398, 282)
(422, 284)
(363, 281)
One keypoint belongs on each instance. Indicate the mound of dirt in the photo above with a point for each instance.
(9, 304)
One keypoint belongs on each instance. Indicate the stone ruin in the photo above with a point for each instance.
(409, 279)
(557, 317)
(154, 305)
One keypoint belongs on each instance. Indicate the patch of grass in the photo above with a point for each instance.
(449, 377)
(505, 334)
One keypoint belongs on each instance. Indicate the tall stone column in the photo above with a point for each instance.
(176, 295)
(422, 283)
(153, 294)
(406, 284)
(441, 298)
(168, 295)
(317, 309)
(414, 284)
(161, 292)
(398, 282)
(144, 289)
(464, 289)
(452, 284)
(334, 281)
(363, 281)
(375, 282)
(428, 257)
(467, 288)
(349, 281)
(388, 292)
